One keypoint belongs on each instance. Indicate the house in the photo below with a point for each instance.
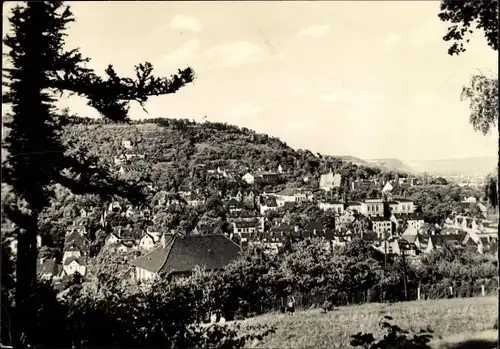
(353, 206)
(234, 206)
(284, 229)
(251, 197)
(390, 185)
(127, 144)
(47, 268)
(381, 225)
(112, 239)
(120, 160)
(83, 213)
(339, 240)
(204, 229)
(330, 180)
(130, 168)
(238, 196)
(72, 265)
(362, 184)
(149, 240)
(470, 199)
(76, 243)
(280, 169)
(265, 178)
(194, 200)
(273, 241)
(226, 172)
(410, 234)
(404, 206)
(430, 242)
(291, 195)
(268, 203)
(245, 226)
(243, 239)
(115, 207)
(414, 220)
(372, 208)
(131, 156)
(389, 246)
(125, 245)
(314, 228)
(336, 206)
(178, 256)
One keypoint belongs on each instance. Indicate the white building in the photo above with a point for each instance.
(330, 180)
(372, 208)
(337, 207)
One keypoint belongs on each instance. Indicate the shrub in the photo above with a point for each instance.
(327, 306)
(220, 336)
(395, 338)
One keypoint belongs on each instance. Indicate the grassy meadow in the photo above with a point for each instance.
(452, 320)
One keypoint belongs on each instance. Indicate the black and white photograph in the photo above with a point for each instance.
(250, 174)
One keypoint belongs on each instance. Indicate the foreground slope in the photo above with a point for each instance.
(454, 320)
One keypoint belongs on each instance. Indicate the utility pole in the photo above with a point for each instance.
(385, 247)
(403, 248)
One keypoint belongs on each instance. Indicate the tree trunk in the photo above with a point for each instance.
(26, 262)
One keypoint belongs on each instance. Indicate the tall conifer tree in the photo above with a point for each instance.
(39, 67)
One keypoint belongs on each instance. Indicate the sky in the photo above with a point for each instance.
(369, 79)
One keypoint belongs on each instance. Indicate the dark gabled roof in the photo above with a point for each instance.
(206, 228)
(314, 226)
(270, 201)
(245, 224)
(79, 260)
(439, 240)
(353, 203)
(127, 243)
(234, 202)
(409, 216)
(288, 192)
(183, 254)
(77, 239)
(48, 266)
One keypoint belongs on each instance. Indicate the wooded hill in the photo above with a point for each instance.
(175, 149)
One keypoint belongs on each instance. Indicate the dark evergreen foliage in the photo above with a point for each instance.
(39, 66)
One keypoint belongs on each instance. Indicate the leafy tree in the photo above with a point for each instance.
(482, 90)
(37, 158)
(462, 15)
(490, 191)
(482, 94)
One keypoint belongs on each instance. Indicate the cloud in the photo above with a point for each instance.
(185, 23)
(392, 39)
(185, 54)
(314, 31)
(220, 56)
(245, 110)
